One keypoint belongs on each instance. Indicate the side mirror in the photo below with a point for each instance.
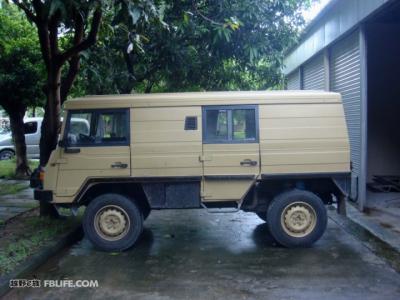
(63, 144)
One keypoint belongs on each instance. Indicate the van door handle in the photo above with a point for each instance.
(248, 162)
(119, 165)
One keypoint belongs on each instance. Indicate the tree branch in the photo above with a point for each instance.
(44, 40)
(74, 62)
(68, 80)
(89, 41)
(30, 15)
(53, 34)
(204, 16)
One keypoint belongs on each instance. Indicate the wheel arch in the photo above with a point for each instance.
(8, 149)
(268, 187)
(132, 190)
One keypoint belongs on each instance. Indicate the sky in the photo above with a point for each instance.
(314, 10)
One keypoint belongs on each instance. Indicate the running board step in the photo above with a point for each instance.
(225, 210)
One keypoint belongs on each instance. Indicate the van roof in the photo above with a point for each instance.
(202, 98)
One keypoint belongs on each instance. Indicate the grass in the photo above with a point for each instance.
(7, 168)
(11, 189)
(27, 234)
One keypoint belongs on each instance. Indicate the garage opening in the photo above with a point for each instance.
(383, 94)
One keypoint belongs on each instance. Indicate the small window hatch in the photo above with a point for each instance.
(191, 123)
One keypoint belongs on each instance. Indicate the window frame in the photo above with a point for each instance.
(36, 130)
(229, 109)
(97, 112)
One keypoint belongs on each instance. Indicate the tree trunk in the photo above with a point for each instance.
(51, 120)
(17, 128)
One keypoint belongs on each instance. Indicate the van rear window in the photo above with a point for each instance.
(230, 124)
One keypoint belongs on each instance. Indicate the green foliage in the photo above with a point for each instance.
(21, 68)
(155, 45)
(186, 45)
(7, 168)
(31, 234)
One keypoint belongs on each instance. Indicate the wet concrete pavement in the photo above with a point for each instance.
(190, 254)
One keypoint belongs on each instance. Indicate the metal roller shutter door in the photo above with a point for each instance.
(346, 79)
(293, 81)
(314, 74)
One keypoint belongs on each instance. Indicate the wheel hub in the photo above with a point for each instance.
(298, 219)
(111, 223)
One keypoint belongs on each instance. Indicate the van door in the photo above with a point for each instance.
(97, 146)
(32, 138)
(231, 151)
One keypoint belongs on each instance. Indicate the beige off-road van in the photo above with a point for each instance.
(282, 155)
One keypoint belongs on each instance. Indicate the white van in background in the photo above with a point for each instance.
(32, 128)
(32, 137)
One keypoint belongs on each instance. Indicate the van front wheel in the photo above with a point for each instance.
(112, 222)
(297, 218)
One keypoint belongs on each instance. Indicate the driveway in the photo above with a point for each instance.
(190, 254)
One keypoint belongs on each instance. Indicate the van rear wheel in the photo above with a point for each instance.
(112, 222)
(297, 218)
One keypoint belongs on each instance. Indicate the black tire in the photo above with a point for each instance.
(124, 206)
(262, 216)
(282, 204)
(6, 154)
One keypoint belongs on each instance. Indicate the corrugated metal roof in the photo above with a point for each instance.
(337, 19)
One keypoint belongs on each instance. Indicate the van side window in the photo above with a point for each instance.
(217, 124)
(244, 124)
(230, 124)
(98, 128)
(30, 127)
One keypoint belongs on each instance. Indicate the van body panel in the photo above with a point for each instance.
(308, 138)
(76, 168)
(52, 171)
(297, 133)
(224, 177)
(160, 144)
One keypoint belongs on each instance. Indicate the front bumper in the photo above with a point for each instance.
(43, 195)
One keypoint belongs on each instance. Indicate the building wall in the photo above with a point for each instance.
(341, 17)
(383, 100)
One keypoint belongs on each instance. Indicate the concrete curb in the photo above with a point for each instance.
(369, 239)
(35, 261)
(374, 228)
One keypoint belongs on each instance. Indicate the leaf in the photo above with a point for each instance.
(185, 18)
(227, 34)
(84, 54)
